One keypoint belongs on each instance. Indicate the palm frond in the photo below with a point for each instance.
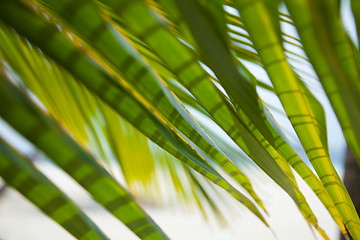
(19, 173)
(127, 79)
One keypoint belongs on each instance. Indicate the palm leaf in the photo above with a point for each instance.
(355, 6)
(118, 98)
(294, 160)
(160, 40)
(141, 163)
(135, 72)
(19, 173)
(290, 94)
(336, 84)
(76, 162)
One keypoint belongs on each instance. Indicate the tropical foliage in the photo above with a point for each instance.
(104, 84)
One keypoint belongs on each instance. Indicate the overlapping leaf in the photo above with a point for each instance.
(143, 166)
(291, 94)
(75, 161)
(132, 69)
(181, 62)
(288, 154)
(117, 97)
(327, 66)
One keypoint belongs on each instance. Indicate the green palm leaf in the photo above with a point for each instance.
(339, 89)
(76, 162)
(160, 39)
(119, 99)
(19, 173)
(291, 95)
(355, 7)
(192, 14)
(135, 72)
(139, 161)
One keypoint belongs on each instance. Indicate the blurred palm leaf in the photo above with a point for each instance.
(22, 175)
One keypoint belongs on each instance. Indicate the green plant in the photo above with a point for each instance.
(89, 62)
